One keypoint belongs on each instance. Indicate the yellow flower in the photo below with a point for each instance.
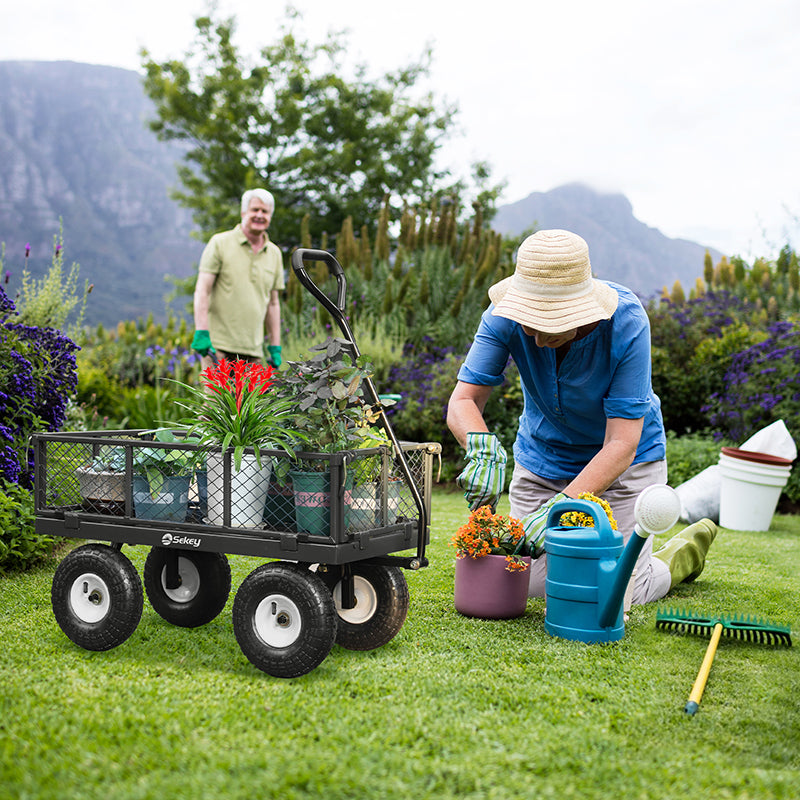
(577, 519)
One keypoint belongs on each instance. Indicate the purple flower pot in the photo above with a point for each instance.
(485, 588)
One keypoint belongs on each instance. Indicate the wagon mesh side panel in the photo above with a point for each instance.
(127, 474)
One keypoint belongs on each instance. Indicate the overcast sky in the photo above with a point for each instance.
(690, 108)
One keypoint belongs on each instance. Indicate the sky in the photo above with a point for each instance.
(690, 108)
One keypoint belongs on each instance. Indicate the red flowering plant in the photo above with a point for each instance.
(236, 406)
(490, 534)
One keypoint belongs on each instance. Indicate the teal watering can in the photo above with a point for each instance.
(588, 569)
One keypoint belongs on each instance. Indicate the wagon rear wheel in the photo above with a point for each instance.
(202, 587)
(381, 605)
(97, 597)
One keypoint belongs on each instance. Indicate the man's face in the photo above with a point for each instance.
(257, 217)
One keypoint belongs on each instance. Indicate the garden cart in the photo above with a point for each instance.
(333, 532)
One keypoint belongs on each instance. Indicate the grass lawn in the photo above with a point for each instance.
(451, 708)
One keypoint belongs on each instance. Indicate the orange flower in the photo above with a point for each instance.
(486, 533)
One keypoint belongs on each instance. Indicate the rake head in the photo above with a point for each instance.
(744, 628)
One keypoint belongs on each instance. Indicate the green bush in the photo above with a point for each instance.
(689, 454)
(20, 547)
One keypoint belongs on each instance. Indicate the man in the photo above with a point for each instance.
(236, 299)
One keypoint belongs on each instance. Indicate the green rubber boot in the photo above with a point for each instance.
(685, 552)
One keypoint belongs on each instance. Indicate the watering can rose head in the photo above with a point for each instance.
(577, 519)
(490, 534)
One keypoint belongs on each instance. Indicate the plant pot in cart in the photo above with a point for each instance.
(170, 502)
(248, 489)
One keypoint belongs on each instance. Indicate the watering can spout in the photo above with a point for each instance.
(657, 509)
(609, 611)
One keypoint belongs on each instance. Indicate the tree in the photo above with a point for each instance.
(324, 146)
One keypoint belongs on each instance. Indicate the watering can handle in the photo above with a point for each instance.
(589, 507)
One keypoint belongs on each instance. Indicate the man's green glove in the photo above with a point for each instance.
(484, 477)
(534, 525)
(201, 342)
(274, 351)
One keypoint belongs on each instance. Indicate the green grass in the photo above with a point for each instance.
(451, 708)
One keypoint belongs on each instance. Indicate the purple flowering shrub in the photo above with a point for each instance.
(425, 379)
(761, 385)
(686, 368)
(38, 374)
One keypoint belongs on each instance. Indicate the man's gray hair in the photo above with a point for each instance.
(261, 194)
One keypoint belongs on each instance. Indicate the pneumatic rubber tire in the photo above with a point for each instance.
(382, 600)
(97, 597)
(284, 619)
(205, 585)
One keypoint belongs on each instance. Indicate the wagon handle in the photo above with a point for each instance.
(336, 310)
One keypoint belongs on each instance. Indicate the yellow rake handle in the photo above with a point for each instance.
(705, 668)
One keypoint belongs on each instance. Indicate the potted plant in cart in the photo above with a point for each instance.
(162, 477)
(491, 578)
(235, 414)
(331, 412)
(102, 480)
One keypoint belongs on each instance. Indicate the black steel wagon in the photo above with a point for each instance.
(333, 551)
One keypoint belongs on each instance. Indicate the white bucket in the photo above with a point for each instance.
(750, 490)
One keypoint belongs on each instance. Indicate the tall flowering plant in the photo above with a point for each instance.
(236, 406)
(487, 534)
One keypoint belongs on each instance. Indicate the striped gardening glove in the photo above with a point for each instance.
(484, 476)
(534, 525)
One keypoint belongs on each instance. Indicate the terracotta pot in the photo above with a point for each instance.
(485, 588)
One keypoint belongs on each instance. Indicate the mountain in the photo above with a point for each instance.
(75, 147)
(621, 248)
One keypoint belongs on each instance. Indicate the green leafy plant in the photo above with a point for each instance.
(109, 458)
(237, 406)
(326, 392)
(20, 546)
(161, 462)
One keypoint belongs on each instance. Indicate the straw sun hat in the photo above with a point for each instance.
(552, 289)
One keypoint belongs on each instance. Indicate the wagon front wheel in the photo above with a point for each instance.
(284, 620)
(97, 597)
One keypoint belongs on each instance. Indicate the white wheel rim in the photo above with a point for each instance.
(277, 621)
(366, 601)
(190, 582)
(89, 598)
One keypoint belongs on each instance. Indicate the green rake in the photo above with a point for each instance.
(745, 628)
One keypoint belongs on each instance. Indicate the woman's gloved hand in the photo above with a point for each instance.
(534, 525)
(484, 476)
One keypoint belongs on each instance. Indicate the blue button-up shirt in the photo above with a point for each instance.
(604, 375)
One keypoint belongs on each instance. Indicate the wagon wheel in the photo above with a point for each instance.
(284, 619)
(381, 605)
(204, 584)
(97, 597)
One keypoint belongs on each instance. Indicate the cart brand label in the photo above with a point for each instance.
(167, 539)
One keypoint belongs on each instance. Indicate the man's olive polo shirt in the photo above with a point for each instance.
(241, 291)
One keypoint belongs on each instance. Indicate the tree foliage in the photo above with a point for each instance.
(323, 145)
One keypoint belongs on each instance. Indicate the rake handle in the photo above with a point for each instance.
(705, 668)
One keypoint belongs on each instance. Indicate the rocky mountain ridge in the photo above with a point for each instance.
(75, 151)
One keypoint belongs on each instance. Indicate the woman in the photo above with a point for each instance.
(591, 421)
